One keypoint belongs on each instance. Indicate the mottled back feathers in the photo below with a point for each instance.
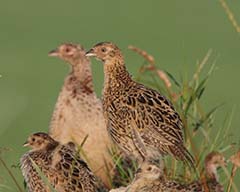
(136, 115)
(59, 164)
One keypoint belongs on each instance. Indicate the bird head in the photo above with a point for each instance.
(68, 52)
(150, 171)
(105, 51)
(213, 161)
(38, 141)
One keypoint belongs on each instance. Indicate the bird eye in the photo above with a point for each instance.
(67, 50)
(33, 139)
(103, 50)
(149, 168)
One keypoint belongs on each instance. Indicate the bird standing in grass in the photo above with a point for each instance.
(50, 165)
(78, 112)
(150, 178)
(140, 120)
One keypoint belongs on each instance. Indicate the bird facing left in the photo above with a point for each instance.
(141, 121)
(78, 112)
(51, 165)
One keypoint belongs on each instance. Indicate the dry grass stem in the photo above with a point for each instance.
(202, 64)
(233, 172)
(235, 160)
(151, 67)
(164, 77)
(143, 53)
(230, 15)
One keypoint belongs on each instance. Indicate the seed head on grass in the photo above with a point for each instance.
(230, 15)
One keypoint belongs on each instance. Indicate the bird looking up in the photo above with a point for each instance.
(59, 164)
(78, 112)
(80, 73)
(141, 121)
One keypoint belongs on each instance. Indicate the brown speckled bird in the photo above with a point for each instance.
(139, 119)
(150, 178)
(149, 175)
(60, 166)
(78, 112)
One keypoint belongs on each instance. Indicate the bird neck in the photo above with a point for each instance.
(116, 75)
(80, 77)
(51, 146)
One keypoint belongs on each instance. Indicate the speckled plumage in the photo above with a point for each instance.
(150, 178)
(59, 164)
(78, 112)
(140, 120)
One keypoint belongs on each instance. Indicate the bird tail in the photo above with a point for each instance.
(181, 153)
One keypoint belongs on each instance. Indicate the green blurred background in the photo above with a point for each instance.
(177, 33)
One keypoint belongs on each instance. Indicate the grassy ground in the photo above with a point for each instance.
(177, 33)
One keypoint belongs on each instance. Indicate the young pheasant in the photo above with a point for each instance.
(59, 164)
(78, 113)
(140, 120)
(150, 178)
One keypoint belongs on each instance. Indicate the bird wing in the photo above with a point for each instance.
(157, 121)
(137, 140)
(74, 171)
(35, 177)
(154, 112)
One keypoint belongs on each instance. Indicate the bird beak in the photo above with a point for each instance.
(26, 144)
(90, 53)
(53, 53)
